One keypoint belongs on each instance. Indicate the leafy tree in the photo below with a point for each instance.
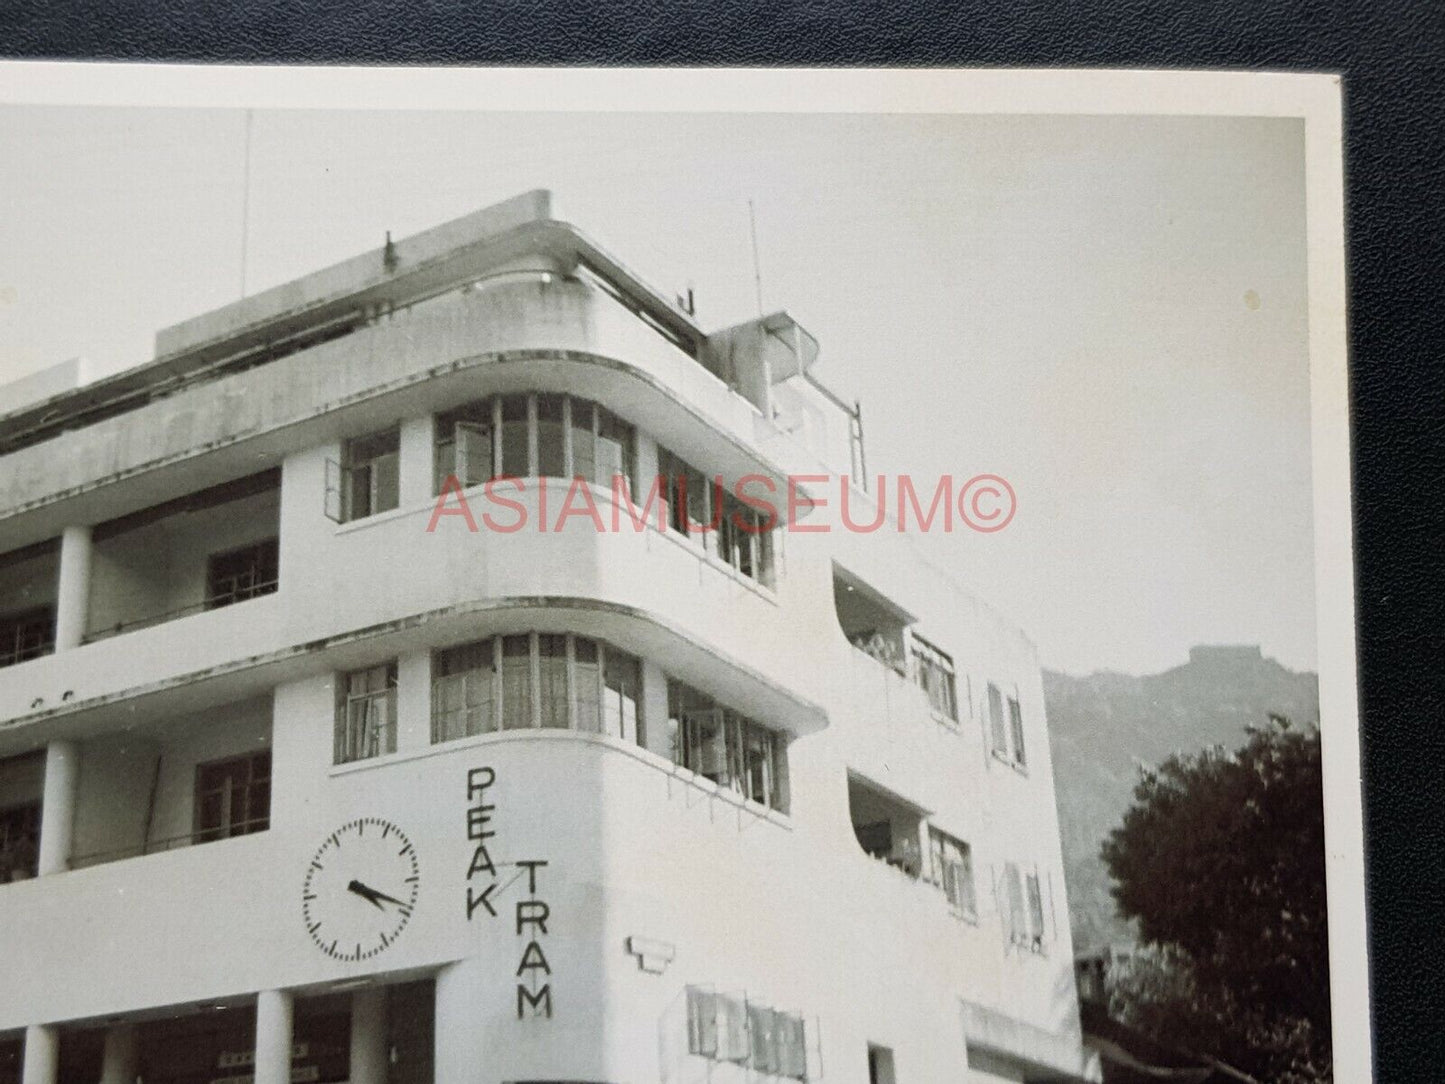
(1221, 862)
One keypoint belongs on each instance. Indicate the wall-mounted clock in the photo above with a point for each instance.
(360, 889)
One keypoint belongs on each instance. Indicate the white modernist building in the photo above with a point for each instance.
(305, 776)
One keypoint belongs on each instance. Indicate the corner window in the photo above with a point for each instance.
(715, 520)
(26, 635)
(574, 682)
(933, 671)
(524, 436)
(725, 747)
(241, 574)
(233, 797)
(370, 475)
(366, 713)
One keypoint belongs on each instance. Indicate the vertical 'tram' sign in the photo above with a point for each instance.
(534, 972)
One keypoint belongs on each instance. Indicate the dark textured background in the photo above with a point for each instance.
(1391, 56)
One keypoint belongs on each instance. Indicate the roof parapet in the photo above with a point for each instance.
(356, 275)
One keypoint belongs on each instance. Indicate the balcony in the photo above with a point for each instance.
(149, 788)
(28, 583)
(201, 552)
(887, 827)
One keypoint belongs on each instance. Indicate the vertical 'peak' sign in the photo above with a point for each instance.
(534, 972)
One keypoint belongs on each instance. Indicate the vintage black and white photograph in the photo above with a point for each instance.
(633, 578)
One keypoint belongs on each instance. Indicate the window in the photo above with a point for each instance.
(933, 671)
(1006, 733)
(731, 1028)
(515, 458)
(366, 713)
(241, 574)
(464, 446)
(1023, 908)
(724, 526)
(19, 841)
(880, 1065)
(727, 748)
(370, 479)
(551, 439)
(621, 695)
(1016, 730)
(552, 679)
(233, 797)
(516, 682)
(950, 867)
(463, 685)
(570, 438)
(26, 635)
(575, 682)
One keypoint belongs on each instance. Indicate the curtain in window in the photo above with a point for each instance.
(462, 692)
(516, 682)
(615, 451)
(552, 675)
(584, 440)
(515, 460)
(588, 670)
(551, 452)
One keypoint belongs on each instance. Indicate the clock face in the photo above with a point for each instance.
(361, 888)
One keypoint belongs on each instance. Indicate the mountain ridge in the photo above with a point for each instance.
(1104, 726)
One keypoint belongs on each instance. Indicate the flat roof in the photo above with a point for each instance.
(332, 301)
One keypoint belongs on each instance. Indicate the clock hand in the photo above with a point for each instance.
(368, 894)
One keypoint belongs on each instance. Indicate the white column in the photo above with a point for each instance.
(460, 1010)
(654, 710)
(413, 701)
(273, 1037)
(42, 1055)
(57, 807)
(368, 1036)
(415, 468)
(120, 1062)
(72, 599)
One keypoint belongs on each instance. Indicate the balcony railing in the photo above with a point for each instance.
(156, 846)
(212, 602)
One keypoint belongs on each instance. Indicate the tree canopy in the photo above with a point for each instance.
(1221, 862)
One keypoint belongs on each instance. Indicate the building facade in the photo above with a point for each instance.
(360, 725)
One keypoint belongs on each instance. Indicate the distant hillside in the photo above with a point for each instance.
(1102, 726)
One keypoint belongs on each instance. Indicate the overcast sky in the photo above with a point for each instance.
(1109, 312)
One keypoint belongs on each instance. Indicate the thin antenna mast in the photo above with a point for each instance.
(246, 203)
(757, 266)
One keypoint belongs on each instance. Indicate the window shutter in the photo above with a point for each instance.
(332, 506)
(473, 453)
(1035, 898)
